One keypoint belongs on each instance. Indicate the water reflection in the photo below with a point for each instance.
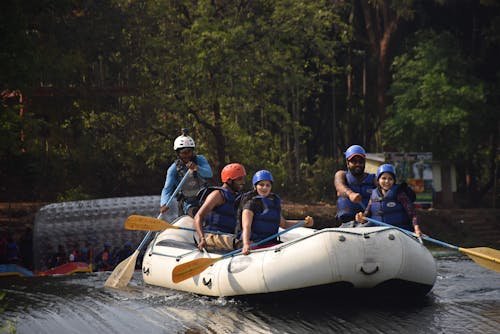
(466, 299)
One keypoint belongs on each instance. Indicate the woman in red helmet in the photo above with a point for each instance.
(215, 221)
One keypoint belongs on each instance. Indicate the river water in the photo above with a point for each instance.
(465, 299)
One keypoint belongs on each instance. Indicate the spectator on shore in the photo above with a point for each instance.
(3, 247)
(123, 253)
(26, 248)
(85, 253)
(61, 256)
(74, 256)
(104, 259)
(13, 253)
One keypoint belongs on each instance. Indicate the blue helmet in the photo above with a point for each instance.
(386, 168)
(262, 175)
(353, 151)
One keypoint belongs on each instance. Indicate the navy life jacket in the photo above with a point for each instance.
(388, 209)
(267, 222)
(223, 217)
(348, 209)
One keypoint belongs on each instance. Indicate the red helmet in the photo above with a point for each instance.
(232, 172)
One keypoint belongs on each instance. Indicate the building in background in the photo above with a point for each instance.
(424, 175)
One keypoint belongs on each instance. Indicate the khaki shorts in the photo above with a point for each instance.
(222, 241)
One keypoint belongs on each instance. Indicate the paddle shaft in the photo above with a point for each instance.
(123, 272)
(145, 223)
(441, 243)
(488, 258)
(194, 267)
(179, 186)
(260, 242)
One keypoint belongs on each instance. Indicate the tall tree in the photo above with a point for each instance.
(244, 71)
(440, 106)
(381, 20)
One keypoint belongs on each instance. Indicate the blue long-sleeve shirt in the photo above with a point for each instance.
(171, 180)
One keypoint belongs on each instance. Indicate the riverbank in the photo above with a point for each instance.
(464, 227)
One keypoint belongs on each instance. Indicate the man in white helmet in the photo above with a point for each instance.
(198, 178)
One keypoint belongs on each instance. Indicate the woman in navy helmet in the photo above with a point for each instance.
(391, 202)
(261, 214)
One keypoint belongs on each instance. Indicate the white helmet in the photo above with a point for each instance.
(183, 142)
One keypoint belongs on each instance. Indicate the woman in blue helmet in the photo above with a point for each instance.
(354, 186)
(261, 213)
(391, 202)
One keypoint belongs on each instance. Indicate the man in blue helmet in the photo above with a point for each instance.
(354, 186)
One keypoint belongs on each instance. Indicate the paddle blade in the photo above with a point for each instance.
(144, 223)
(122, 273)
(192, 268)
(484, 256)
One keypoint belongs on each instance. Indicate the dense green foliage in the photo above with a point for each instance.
(435, 99)
(107, 85)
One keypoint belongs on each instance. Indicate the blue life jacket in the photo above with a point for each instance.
(346, 210)
(223, 217)
(388, 210)
(267, 222)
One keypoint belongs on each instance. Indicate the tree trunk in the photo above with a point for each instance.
(381, 23)
(296, 134)
(219, 138)
(446, 191)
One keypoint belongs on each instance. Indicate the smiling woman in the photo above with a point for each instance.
(261, 212)
(391, 202)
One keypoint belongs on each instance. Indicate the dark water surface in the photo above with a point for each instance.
(465, 299)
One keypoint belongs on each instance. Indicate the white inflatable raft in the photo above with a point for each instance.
(364, 258)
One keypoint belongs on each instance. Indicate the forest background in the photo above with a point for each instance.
(93, 93)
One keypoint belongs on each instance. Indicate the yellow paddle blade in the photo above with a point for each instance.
(484, 256)
(122, 273)
(192, 268)
(144, 223)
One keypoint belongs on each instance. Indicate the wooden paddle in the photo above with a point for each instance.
(197, 266)
(488, 258)
(145, 223)
(123, 272)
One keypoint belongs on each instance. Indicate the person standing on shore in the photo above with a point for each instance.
(354, 186)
